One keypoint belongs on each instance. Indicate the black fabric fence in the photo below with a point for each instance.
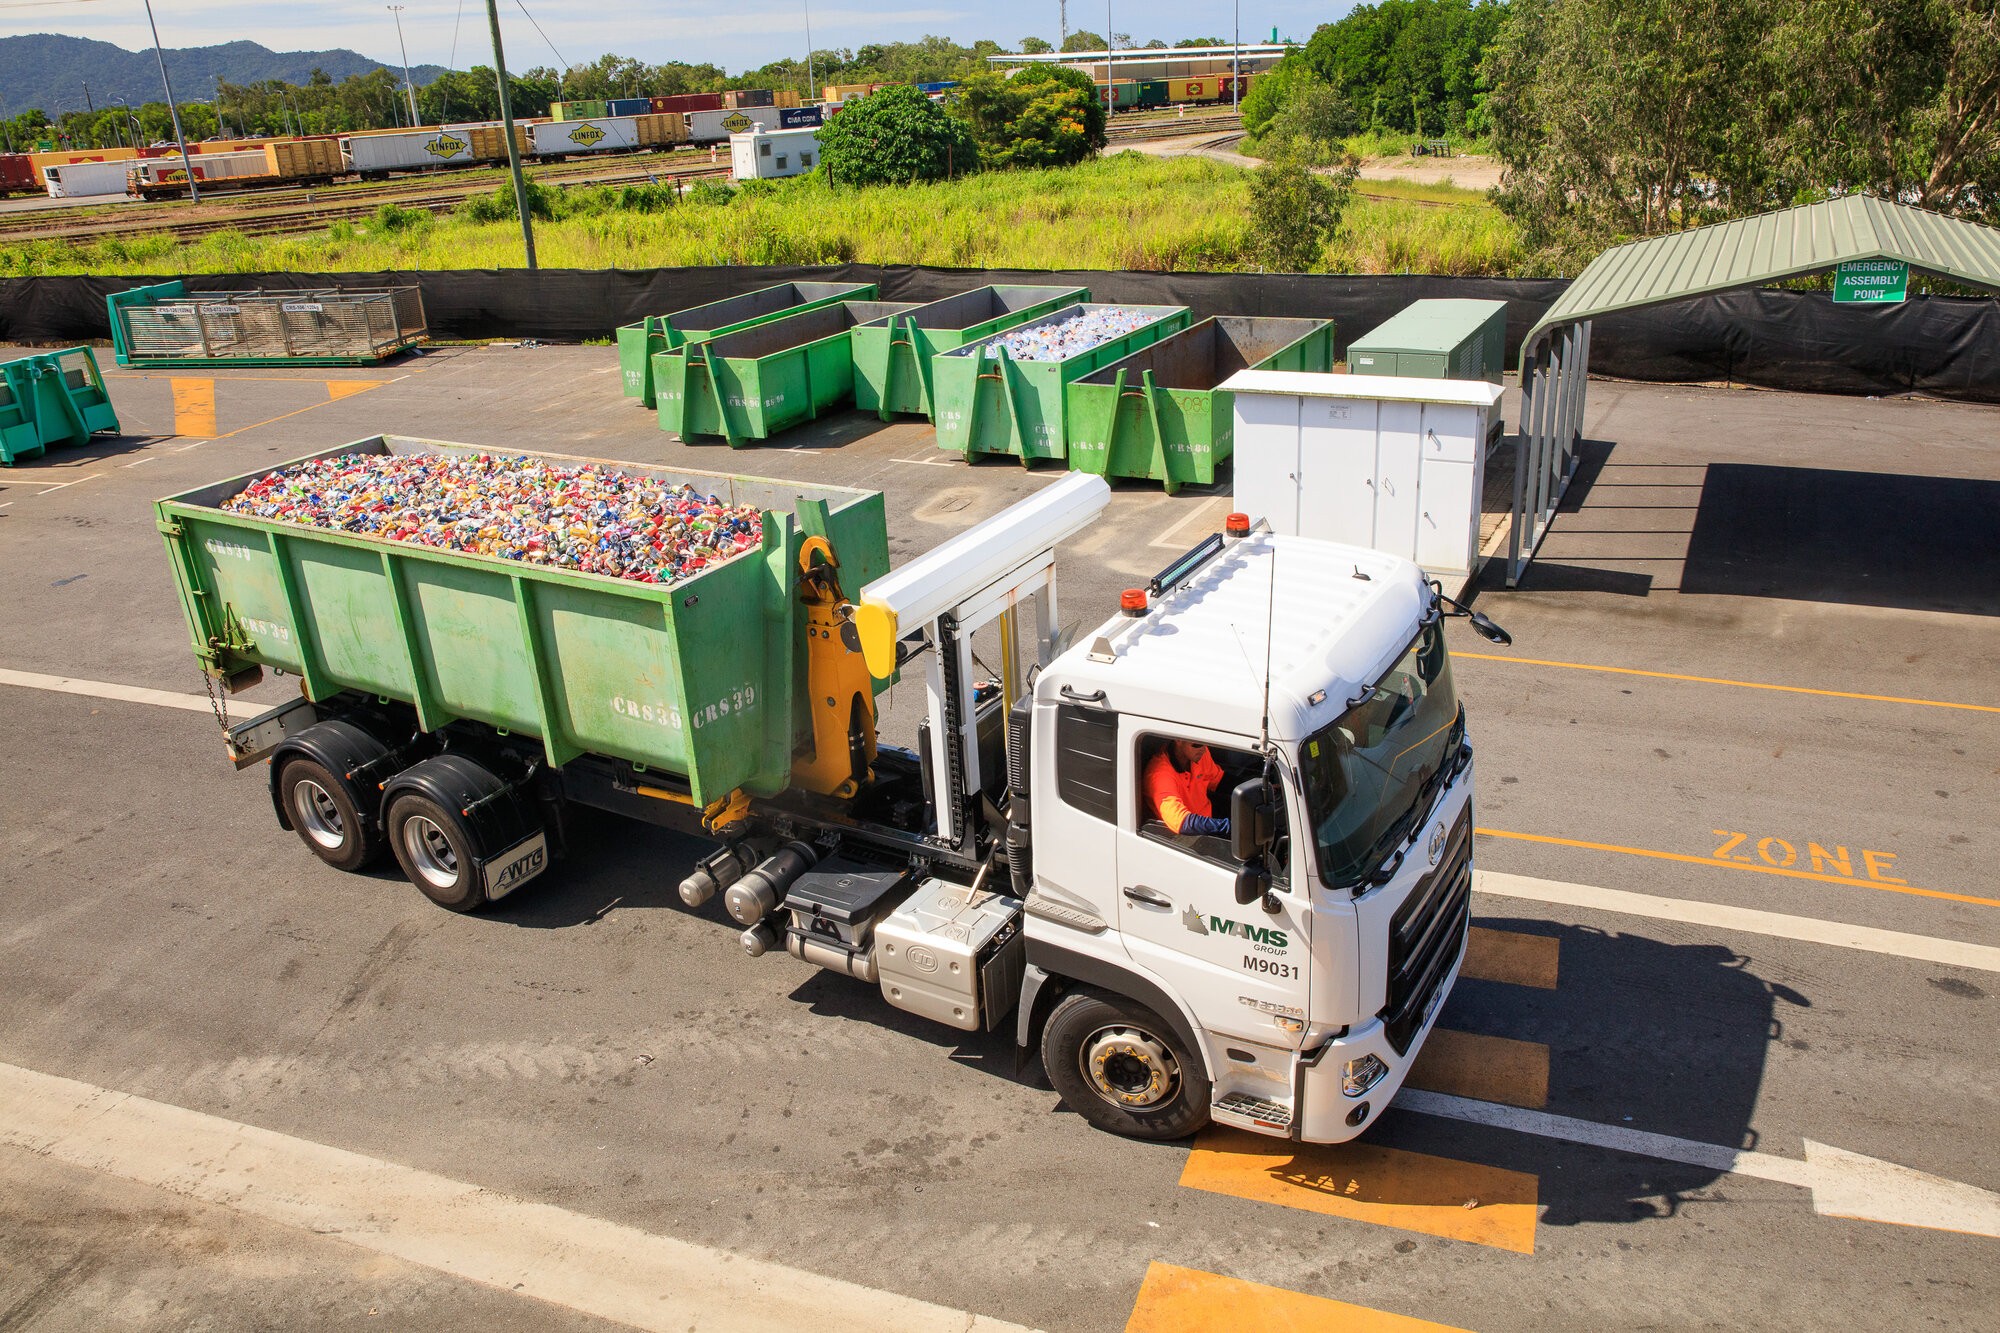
(1948, 347)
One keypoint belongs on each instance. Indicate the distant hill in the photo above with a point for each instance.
(44, 69)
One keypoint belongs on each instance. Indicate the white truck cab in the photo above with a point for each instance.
(1283, 979)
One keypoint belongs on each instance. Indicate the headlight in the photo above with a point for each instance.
(1357, 1076)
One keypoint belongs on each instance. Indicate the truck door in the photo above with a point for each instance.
(1240, 968)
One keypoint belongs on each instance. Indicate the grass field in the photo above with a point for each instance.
(1126, 211)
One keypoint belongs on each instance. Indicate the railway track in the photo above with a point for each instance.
(289, 209)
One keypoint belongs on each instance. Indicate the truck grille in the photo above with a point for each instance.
(1427, 934)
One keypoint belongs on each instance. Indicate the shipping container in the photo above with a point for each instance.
(801, 117)
(745, 99)
(564, 138)
(1152, 92)
(410, 150)
(999, 405)
(1119, 95)
(51, 398)
(892, 359)
(1436, 339)
(687, 102)
(17, 172)
(586, 110)
(207, 167)
(697, 679)
(1157, 413)
(716, 126)
(1201, 89)
(489, 142)
(786, 97)
(629, 106)
(753, 383)
(660, 131)
(71, 180)
(638, 343)
(304, 159)
(935, 88)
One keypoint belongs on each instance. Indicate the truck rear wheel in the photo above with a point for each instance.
(1116, 1064)
(322, 809)
(435, 850)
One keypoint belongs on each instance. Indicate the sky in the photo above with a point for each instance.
(742, 34)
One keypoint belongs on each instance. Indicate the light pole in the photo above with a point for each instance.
(408, 86)
(507, 128)
(174, 112)
(1236, 63)
(811, 85)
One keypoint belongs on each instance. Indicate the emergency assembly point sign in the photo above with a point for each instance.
(1864, 280)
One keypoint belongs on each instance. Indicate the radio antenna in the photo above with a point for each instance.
(1270, 628)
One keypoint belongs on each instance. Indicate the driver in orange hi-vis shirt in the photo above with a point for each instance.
(1180, 781)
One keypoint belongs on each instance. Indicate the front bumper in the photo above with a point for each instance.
(1321, 1110)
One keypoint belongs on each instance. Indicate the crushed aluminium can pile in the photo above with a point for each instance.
(1069, 337)
(590, 519)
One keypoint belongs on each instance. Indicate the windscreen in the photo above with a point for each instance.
(1372, 771)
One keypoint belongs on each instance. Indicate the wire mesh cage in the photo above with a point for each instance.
(317, 325)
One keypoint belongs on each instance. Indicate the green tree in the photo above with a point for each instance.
(1043, 116)
(1295, 211)
(1035, 46)
(1413, 65)
(1083, 40)
(897, 136)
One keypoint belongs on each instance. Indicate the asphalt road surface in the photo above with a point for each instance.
(1724, 1054)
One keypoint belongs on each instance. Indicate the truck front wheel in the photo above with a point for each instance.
(1120, 1067)
(432, 847)
(320, 805)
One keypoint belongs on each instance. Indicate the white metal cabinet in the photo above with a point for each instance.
(1388, 462)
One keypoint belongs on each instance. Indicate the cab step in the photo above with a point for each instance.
(1267, 1114)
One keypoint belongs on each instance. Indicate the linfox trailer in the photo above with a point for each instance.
(374, 155)
(558, 139)
(639, 343)
(1006, 872)
(717, 126)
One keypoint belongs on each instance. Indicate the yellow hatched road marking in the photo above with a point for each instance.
(1187, 1300)
(1688, 859)
(1487, 1069)
(1721, 680)
(194, 406)
(1511, 956)
(1483, 1205)
(339, 389)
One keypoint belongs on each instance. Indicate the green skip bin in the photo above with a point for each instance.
(53, 398)
(639, 343)
(753, 383)
(1000, 405)
(892, 362)
(1157, 413)
(698, 679)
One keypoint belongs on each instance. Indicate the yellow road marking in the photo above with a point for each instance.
(1187, 1300)
(1484, 1205)
(194, 406)
(1511, 956)
(1686, 859)
(1487, 1069)
(339, 389)
(1740, 684)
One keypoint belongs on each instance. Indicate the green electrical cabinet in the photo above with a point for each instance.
(1436, 340)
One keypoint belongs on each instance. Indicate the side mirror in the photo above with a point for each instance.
(1489, 631)
(1251, 822)
(1253, 882)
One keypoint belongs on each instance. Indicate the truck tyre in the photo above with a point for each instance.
(435, 850)
(321, 808)
(1116, 1064)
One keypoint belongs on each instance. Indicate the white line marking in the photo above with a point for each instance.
(1811, 930)
(100, 689)
(1843, 1184)
(4, 506)
(150, 458)
(551, 1254)
(67, 484)
(921, 461)
(196, 445)
(1166, 538)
